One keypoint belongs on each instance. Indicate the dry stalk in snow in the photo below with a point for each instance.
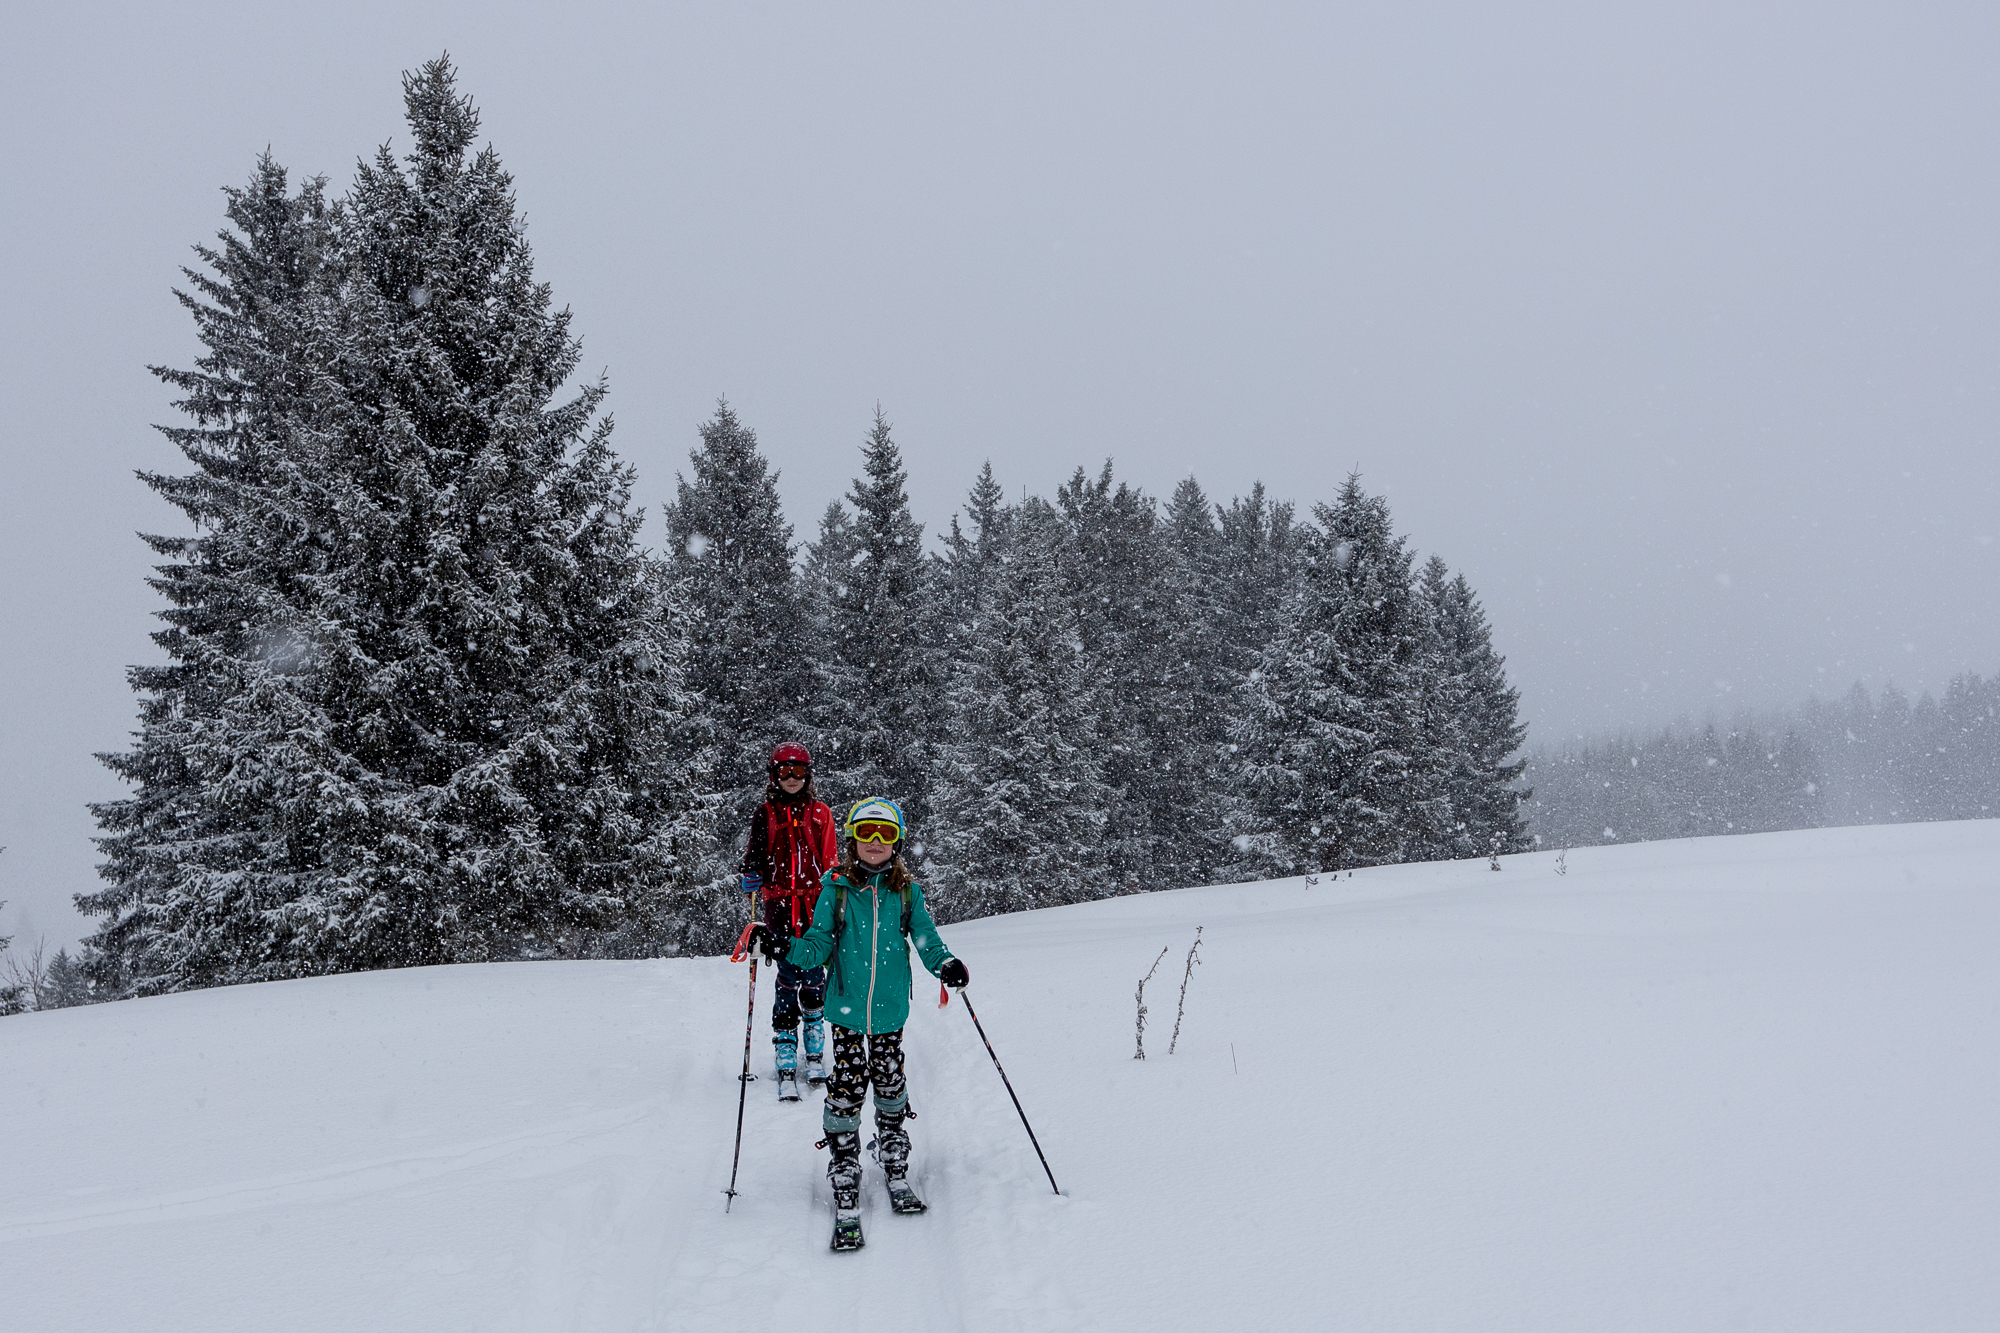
(1141, 1053)
(1182, 1007)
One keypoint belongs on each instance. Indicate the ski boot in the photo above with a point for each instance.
(787, 1044)
(815, 1050)
(847, 1228)
(891, 1150)
(903, 1199)
(844, 1174)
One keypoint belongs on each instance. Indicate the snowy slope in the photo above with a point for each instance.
(1738, 1083)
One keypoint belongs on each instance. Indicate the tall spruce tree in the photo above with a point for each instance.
(447, 723)
(825, 580)
(876, 691)
(970, 560)
(1263, 560)
(1479, 729)
(1018, 797)
(731, 548)
(955, 581)
(1329, 716)
(184, 908)
(1434, 830)
(1113, 564)
(68, 987)
(1195, 800)
(823, 576)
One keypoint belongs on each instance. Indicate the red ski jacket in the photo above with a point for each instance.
(792, 844)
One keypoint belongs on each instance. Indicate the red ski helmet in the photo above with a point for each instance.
(791, 752)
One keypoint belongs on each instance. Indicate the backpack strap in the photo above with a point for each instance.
(840, 905)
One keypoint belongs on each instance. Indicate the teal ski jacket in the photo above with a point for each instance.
(869, 981)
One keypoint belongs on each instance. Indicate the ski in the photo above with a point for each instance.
(788, 1086)
(903, 1199)
(846, 1230)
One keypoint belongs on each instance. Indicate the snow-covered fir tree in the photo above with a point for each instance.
(876, 662)
(730, 547)
(67, 985)
(448, 722)
(1114, 562)
(1019, 803)
(1194, 796)
(1263, 560)
(187, 906)
(1329, 715)
(955, 582)
(1471, 725)
(971, 559)
(1437, 745)
(822, 574)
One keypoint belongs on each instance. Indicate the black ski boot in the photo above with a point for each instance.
(844, 1174)
(891, 1148)
(903, 1199)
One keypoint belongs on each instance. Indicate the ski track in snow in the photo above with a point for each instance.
(1733, 1083)
(550, 1149)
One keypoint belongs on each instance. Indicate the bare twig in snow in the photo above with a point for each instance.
(1182, 1008)
(1141, 1053)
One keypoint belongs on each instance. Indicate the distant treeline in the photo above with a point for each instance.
(1859, 760)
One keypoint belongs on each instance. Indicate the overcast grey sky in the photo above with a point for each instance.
(1673, 326)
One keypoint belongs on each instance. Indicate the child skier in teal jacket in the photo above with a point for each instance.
(870, 913)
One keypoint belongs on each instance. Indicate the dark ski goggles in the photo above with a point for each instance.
(793, 771)
(876, 830)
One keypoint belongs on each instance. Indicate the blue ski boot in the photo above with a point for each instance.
(787, 1044)
(815, 1048)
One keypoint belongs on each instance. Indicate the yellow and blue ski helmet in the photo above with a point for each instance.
(876, 810)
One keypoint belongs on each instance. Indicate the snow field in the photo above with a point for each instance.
(1731, 1083)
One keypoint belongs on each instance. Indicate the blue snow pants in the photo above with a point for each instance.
(800, 990)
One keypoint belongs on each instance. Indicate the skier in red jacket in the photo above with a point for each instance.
(792, 844)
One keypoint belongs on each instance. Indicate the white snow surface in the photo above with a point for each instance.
(1741, 1083)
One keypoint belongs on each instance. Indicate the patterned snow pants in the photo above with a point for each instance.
(858, 1061)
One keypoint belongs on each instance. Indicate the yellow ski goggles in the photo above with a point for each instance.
(876, 830)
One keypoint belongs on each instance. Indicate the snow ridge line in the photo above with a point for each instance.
(325, 1186)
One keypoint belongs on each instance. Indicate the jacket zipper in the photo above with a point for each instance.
(874, 952)
(792, 817)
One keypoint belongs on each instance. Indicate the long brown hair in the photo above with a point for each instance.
(851, 870)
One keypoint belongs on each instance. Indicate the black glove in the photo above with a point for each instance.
(772, 944)
(953, 973)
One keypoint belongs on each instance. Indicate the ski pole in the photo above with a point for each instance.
(743, 1085)
(1010, 1089)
